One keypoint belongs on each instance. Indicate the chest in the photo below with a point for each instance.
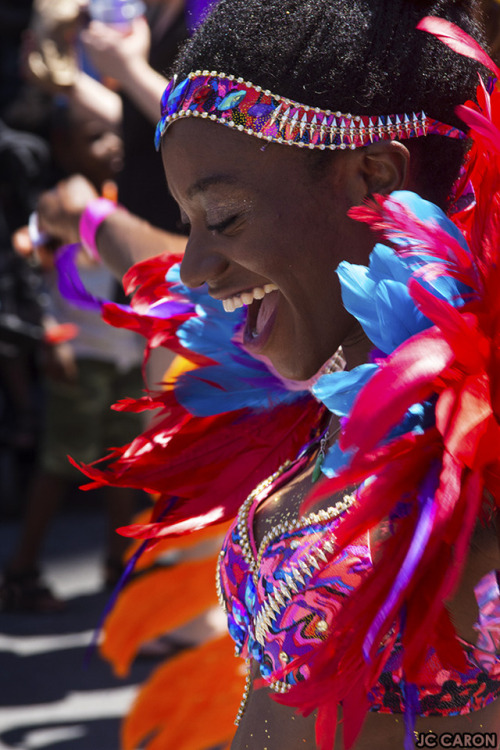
(279, 596)
(281, 508)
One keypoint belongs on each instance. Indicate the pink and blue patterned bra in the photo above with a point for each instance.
(274, 616)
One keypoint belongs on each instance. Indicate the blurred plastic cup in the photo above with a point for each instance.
(116, 13)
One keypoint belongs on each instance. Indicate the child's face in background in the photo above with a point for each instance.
(90, 146)
(100, 149)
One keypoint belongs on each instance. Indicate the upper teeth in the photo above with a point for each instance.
(246, 298)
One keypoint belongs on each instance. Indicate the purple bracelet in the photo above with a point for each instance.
(91, 219)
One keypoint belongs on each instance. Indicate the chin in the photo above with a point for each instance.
(297, 368)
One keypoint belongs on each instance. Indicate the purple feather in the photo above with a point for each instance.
(70, 283)
(412, 707)
(411, 561)
(167, 309)
(89, 652)
(72, 289)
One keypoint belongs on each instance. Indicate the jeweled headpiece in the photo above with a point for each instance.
(251, 109)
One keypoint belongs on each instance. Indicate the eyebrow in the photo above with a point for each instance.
(202, 185)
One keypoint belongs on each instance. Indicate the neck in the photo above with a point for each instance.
(356, 348)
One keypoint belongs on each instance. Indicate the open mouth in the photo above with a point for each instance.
(260, 320)
(230, 304)
(261, 303)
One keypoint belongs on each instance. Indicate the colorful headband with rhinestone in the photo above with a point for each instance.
(250, 109)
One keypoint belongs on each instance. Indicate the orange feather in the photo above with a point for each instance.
(152, 605)
(190, 702)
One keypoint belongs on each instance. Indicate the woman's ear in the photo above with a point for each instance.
(385, 167)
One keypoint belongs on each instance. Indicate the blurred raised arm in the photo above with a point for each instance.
(124, 57)
(122, 239)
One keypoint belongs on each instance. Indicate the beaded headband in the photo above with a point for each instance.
(240, 105)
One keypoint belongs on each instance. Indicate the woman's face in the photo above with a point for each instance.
(267, 231)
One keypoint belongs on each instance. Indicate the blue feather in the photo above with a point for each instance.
(379, 299)
(238, 380)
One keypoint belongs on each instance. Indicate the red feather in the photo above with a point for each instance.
(146, 280)
(326, 727)
(396, 222)
(210, 463)
(156, 331)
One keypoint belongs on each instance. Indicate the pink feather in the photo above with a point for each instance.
(396, 222)
(482, 126)
(457, 40)
(404, 379)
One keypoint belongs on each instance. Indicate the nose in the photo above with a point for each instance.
(201, 262)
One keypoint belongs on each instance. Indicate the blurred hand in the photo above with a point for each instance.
(43, 255)
(46, 65)
(114, 53)
(21, 242)
(59, 209)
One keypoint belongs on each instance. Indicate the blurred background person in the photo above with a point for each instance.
(136, 61)
(24, 162)
(86, 121)
(23, 158)
(82, 377)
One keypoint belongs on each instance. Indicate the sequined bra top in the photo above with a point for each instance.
(274, 615)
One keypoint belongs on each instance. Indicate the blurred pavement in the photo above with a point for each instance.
(48, 698)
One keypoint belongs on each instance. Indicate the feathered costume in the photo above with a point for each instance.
(421, 428)
(432, 481)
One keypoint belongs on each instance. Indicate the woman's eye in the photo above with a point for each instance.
(222, 225)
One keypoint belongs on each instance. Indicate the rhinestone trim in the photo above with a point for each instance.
(241, 105)
(300, 570)
(296, 577)
(218, 581)
(246, 693)
(244, 511)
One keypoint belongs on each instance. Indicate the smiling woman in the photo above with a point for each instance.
(266, 221)
(268, 227)
(289, 132)
(279, 216)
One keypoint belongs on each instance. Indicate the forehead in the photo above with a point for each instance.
(200, 156)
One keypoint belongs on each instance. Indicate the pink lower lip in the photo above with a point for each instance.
(255, 344)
